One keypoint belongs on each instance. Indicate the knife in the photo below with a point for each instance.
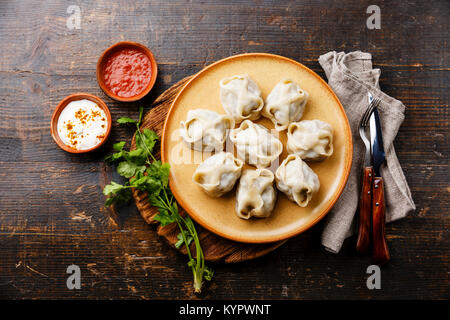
(363, 241)
(380, 249)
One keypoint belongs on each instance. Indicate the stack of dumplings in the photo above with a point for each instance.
(307, 140)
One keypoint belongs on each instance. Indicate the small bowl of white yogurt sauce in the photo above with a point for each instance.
(81, 123)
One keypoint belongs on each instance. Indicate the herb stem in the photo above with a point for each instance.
(185, 241)
(156, 183)
(146, 147)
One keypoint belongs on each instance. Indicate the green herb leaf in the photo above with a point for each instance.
(138, 156)
(119, 146)
(155, 200)
(109, 201)
(164, 217)
(113, 188)
(146, 183)
(126, 120)
(118, 193)
(128, 169)
(146, 140)
(192, 263)
(180, 241)
(116, 157)
(159, 171)
(208, 273)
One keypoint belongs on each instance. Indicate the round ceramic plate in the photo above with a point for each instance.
(217, 214)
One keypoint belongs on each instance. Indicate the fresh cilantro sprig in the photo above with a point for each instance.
(147, 174)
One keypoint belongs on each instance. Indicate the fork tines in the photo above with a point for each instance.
(365, 118)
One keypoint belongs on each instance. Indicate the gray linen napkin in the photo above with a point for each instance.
(351, 76)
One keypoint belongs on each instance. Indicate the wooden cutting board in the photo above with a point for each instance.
(215, 248)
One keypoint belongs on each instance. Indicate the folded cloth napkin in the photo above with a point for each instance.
(351, 76)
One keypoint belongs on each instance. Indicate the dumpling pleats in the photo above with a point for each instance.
(297, 180)
(285, 104)
(255, 195)
(241, 98)
(218, 174)
(255, 144)
(310, 139)
(205, 130)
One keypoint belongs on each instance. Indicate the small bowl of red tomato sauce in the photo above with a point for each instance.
(126, 71)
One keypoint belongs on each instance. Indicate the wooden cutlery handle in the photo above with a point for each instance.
(365, 208)
(380, 249)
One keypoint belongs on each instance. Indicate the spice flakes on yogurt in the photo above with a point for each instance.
(82, 124)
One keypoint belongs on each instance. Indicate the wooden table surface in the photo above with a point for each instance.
(51, 204)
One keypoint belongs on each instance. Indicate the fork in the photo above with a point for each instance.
(365, 202)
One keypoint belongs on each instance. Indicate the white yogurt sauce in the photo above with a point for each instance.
(82, 124)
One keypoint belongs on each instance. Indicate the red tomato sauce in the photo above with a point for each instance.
(127, 72)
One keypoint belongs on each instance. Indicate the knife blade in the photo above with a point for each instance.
(376, 142)
(380, 249)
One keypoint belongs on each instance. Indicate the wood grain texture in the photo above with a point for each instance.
(380, 248)
(215, 248)
(51, 205)
(365, 212)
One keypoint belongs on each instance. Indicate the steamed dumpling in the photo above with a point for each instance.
(218, 174)
(310, 139)
(241, 98)
(255, 195)
(205, 130)
(297, 180)
(285, 104)
(255, 144)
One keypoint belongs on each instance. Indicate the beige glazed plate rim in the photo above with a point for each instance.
(270, 237)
